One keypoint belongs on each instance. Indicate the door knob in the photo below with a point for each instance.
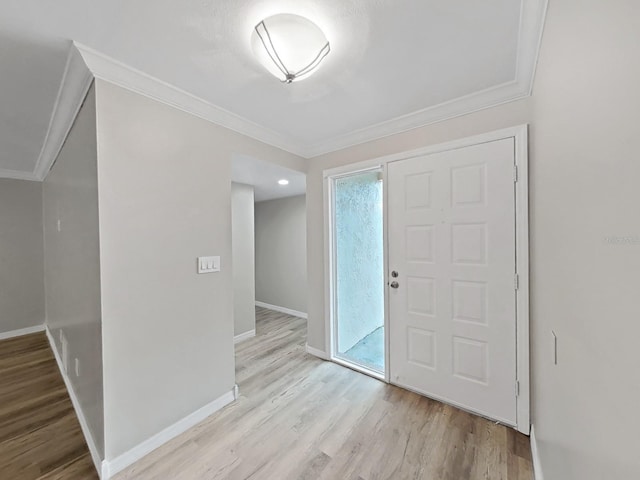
(394, 284)
(394, 274)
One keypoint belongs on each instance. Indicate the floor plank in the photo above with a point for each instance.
(40, 437)
(302, 418)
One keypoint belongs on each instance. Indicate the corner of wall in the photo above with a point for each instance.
(535, 455)
(96, 457)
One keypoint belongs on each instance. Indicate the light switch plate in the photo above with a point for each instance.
(208, 264)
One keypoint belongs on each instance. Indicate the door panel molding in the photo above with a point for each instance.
(471, 209)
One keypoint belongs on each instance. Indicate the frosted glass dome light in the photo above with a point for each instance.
(289, 46)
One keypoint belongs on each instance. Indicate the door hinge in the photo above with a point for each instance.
(516, 281)
(515, 173)
(517, 388)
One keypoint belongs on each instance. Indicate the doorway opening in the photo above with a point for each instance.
(359, 271)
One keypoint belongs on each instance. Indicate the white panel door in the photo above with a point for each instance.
(452, 243)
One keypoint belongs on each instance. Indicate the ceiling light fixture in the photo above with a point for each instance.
(289, 46)
(284, 181)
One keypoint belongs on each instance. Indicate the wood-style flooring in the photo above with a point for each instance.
(40, 437)
(301, 418)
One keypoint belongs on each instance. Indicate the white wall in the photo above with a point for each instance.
(243, 251)
(281, 253)
(165, 199)
(584, 189)
(72, 268)
(21, 255)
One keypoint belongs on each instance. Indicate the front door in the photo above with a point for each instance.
(452, 262)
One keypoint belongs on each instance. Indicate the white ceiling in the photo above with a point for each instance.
(264, 176)
(30, 72)
(394, 64)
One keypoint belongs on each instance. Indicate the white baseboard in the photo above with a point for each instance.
(95, 455)
(535, 455)
(21, 331)
(111, 467)
(316, 353)
(244, 336)
(288, 311)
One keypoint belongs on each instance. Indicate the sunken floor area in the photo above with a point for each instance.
(299, 417)
(40, 437)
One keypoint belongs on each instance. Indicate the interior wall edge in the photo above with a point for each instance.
(86, 431)
(535, 455)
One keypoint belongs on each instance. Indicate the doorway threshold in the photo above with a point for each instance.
(359, 368)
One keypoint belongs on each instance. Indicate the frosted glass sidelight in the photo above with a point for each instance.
(359, 261)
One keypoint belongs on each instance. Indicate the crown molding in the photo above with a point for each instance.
(118, 73)
(491, 97)
(74, 86)
(84, 63)
(532, 16)
(17, 174)
(73, 89)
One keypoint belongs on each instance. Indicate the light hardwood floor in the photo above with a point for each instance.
(40, 437)
(302, 418)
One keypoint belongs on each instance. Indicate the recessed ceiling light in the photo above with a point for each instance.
(289, 46)
(283, 181)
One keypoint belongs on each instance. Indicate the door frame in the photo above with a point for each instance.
(521, 167)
